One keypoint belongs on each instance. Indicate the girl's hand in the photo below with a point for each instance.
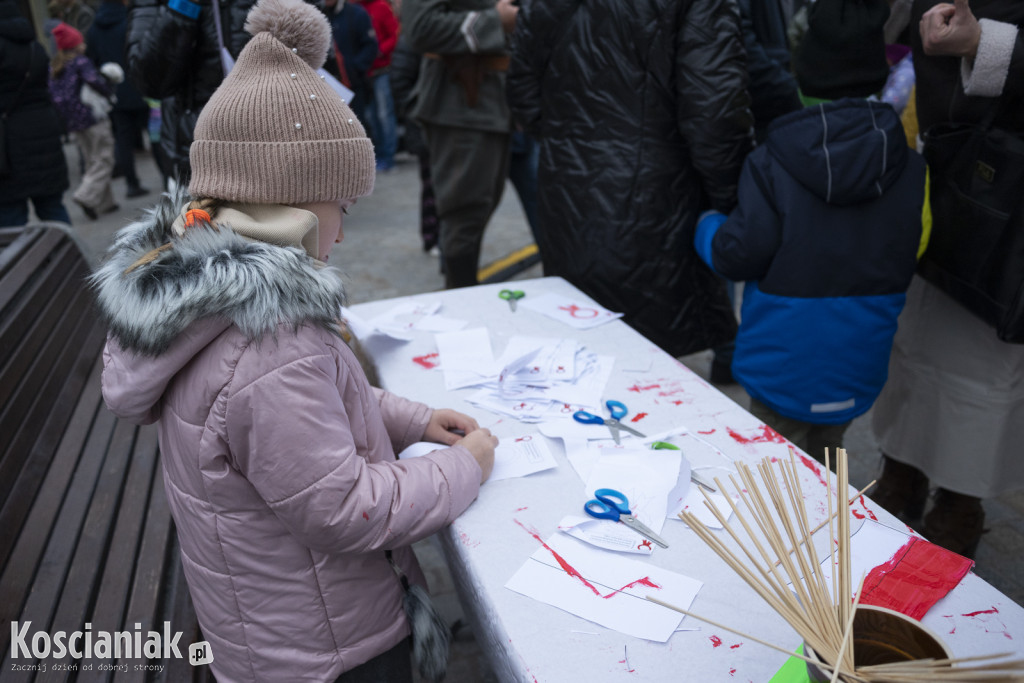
(481, 443)
(448, 426)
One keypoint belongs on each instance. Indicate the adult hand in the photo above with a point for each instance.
(950, 30)
(481, 443)
(448, 426)
(507, 12)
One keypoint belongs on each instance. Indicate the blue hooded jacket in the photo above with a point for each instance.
(826, 234)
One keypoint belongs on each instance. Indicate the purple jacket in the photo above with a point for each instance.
(65, 90)
(278, 455)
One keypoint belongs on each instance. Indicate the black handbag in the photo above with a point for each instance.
(976, 250)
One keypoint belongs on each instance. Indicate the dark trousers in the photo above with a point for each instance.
(393, 666)
(812, 438)
(468, 168)
(128, 126)
(48, 208)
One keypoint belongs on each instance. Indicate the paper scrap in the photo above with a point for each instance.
(603, 587)
(576, 313)
(602, 534)
(466, 357)
(520, 456)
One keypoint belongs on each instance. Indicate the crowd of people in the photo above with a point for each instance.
(668, 150)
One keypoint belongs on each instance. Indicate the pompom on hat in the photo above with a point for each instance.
(67, 37)
(274, 132)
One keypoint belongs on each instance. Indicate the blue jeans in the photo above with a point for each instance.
(48, 208)
(380, 113)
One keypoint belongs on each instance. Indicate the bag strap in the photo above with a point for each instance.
(220, 33)
(21, 88)
(340, 61)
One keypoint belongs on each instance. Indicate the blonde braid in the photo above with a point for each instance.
(205, 209)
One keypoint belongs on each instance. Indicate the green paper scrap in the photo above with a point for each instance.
(793, 671)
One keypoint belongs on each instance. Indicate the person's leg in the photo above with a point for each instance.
(386, 127)
(902, 490)
(13, 213)
(522, 171)
(51, 208)
(428, 205)
(820, 437)
(127, 128)
(794, 430)
(97, 145)
(956, 521)
(393, 666)
(468, 168)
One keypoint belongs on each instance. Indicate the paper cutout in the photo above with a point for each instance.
(601, 534)
(579, 314)
(514, 457)
(603, 587)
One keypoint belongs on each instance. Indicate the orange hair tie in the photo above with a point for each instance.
(193, 215)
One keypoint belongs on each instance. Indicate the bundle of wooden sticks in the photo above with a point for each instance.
(779, 561)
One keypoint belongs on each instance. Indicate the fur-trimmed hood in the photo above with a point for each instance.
(209, 272)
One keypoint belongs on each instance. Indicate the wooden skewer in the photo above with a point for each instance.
(832, 515)
(747, 636)
(848, 634)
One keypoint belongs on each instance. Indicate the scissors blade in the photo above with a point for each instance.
(642, 529)
(512, 303)
(701, 480)
(613, 427)
(632, 431)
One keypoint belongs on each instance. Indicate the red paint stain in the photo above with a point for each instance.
(710, 431)
(521, 509)
(733, 647)
(813, 466)
(858, 515)
(646, 581)
(678, 403)
(981, 611)
(915, 578)
(467, 541)
(715, 641)
(638, 417)
(366, 517)
(566, 567)
(767, 435)
(645, 544)
(637, 388)
(732, 672)
(571, 571)
(428, 361)
(867, 509)
(673, 392)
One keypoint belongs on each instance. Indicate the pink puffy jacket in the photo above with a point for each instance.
(278, 459)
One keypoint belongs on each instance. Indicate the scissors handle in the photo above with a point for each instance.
(601, 510)
(587, 418)
(613, 498)
(617, 409)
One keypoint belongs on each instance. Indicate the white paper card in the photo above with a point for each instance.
(575, 313)
(521, 456)
(604, 534)
(605, 588)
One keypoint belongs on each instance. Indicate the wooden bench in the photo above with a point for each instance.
(86, 536)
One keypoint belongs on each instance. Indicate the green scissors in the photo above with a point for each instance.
(697, 479)
(511, 296)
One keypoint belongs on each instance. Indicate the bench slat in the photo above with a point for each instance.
(24, 263)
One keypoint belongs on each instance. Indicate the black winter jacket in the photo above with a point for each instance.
(642, 114)
(33, 127)
(105, 43)
(176, 59)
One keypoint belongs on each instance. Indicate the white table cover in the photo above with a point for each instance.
(530, 641)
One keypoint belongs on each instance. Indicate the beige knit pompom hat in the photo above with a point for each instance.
(274, 132)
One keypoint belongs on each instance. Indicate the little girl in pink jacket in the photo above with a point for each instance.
(278, 455)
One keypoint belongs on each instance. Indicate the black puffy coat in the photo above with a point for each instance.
(33, 127)
(642, 114)
(105, 43)
(176, 59)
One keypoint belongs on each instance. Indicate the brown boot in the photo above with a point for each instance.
(902, 490)
(956, 522)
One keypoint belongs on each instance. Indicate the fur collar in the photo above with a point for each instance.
(210, 271)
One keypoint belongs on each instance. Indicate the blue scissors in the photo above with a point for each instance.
(511, 296)
(618, 411)
(613, 505)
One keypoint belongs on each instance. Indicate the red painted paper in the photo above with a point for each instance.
(918, 575)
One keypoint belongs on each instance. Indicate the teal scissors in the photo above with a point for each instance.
(613, 505)
(618, 411)
(511, 296)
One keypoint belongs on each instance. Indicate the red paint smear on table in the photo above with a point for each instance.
(715, 641)
(915, 578)
(637, 388)
(813, 466)
(732, 672)
(981, 611)
(638, 417)
(521, 509)
(867, 509)
(366, 517)
(429, 361)
(710, 431)
(733, 647)
(767, 435)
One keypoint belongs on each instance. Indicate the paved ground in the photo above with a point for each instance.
(382, 257)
